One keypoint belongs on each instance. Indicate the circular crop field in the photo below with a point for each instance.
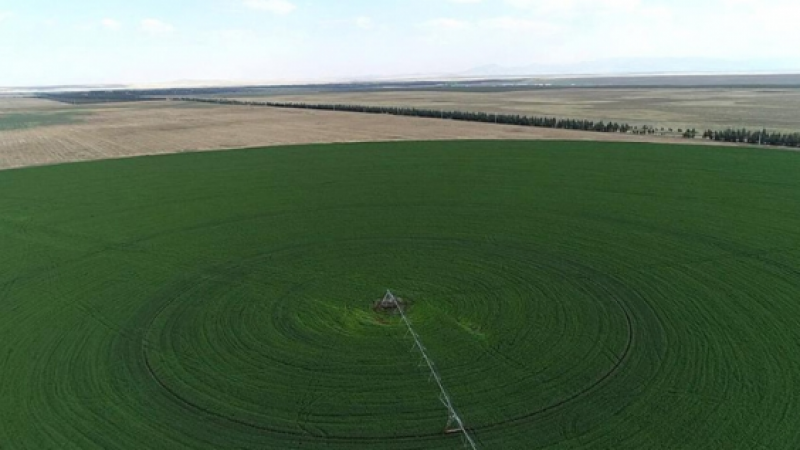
(571, 295)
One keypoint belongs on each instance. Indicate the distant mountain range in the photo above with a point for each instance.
(639, 66)
(605, 72)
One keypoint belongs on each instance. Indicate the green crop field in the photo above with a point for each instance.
(572, 295)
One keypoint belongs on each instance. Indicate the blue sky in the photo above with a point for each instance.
(44, 42)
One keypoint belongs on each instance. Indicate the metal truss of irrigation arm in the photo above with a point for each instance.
(444, 397)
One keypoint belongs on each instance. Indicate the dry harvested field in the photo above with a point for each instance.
(10, 105)
(133, 129)
(715, 108)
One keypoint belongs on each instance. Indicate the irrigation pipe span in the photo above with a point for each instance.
(444, 397)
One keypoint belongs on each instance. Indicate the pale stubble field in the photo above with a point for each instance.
(701, 108)
(118, 130)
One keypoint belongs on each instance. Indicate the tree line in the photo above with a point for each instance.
(759, 137)
(506, 119)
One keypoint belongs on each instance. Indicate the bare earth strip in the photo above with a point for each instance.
(126, 130)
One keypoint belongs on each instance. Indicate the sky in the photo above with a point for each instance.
(46, 42)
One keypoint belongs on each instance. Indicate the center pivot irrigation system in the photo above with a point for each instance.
(454, 422)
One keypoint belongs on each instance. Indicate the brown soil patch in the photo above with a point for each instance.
(125, 130)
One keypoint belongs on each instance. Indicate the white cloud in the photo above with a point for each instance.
(110, 24)
(156, 27)
(514, 24)
(365, 23)
(447, 24)
(495, 24)
(564, 7)
(281, 7)
(230, 36)
(508, 33)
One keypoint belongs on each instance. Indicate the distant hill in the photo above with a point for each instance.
(64, 88)
(640, 66)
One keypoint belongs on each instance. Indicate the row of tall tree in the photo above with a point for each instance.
(507, 119)
(761, 137)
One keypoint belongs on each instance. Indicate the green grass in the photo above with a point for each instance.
(16, 121)
(573, 295)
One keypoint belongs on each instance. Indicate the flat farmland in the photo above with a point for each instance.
(715, 108)
(9, 105)
(571, 294)
(39, 133)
